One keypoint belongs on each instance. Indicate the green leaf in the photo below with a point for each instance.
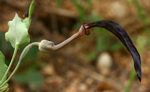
(31, 8)
(18, 31)
(31, 77)
(3, 66)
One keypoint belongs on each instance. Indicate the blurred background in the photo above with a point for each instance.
(94, 63)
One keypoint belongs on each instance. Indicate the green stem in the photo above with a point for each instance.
(131, 80)
(11, 62)
(24, 52)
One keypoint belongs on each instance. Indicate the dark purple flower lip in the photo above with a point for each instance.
(119, 32)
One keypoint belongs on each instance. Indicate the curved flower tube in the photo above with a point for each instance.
(111, 26)
(119, 32)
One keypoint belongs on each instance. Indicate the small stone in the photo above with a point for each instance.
(104, 63)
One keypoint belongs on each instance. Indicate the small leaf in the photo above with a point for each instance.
(18, 31)
(118, 31)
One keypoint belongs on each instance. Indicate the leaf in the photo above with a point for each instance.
(30, 76)
(31, 8)
(118, 31)
(18, 31)
(3, 68)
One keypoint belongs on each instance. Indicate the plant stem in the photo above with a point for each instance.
(11, 62)
(24, 52)
(142, 14)
(130, 81)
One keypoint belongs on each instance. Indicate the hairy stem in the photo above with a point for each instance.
(46, 45)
